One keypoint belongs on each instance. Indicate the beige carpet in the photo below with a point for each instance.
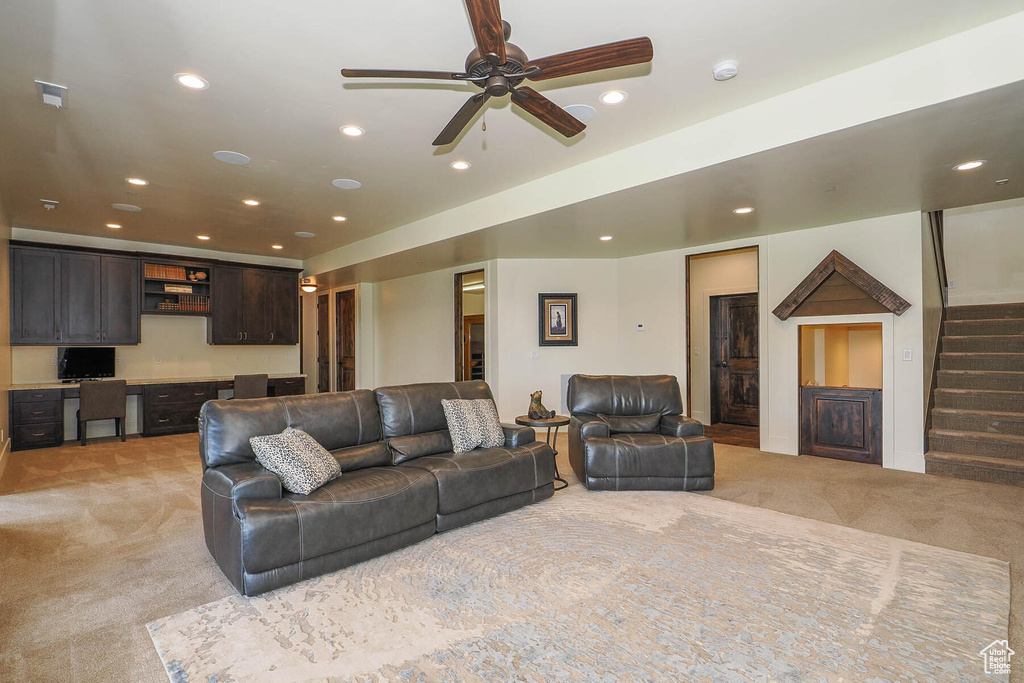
(614, 586)
(97, 542)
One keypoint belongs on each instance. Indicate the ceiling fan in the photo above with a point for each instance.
(499, 68)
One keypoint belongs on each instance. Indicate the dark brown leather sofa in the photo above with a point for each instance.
(401, 482)
(644, 441)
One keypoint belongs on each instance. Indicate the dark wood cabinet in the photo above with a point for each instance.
(72, 297)
(35, 296)
(119, 300)
(254, 306)
(840, 422)
(37, 418)
(173, 408)
(284, 308)
(80, 278)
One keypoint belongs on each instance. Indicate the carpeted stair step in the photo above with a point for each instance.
(1009, 446)
(984, 327)
(981, 361)
(992, 343)
(980, 379)
(985, 312)
(973, 399)
(987, 421)
(975, 467)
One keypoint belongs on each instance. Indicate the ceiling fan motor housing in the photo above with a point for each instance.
(515, 59)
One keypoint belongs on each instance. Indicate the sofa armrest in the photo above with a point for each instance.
(244, 480)
(680, 426)
(517, 435)
(589, 428)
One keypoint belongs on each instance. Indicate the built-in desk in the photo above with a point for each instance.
(165, 406)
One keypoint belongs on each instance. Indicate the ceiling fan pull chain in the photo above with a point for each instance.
(483, 119)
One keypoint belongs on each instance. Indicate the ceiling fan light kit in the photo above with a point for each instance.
(499, 68)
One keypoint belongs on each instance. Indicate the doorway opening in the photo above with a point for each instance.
(345, 338)
(469, 325)
(323, 343)
(723, 350)
(841, 391)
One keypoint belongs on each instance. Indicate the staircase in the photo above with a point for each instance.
(977, 422)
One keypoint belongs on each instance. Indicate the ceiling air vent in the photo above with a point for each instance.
(52, 94)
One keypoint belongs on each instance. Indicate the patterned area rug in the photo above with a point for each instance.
(616, 586)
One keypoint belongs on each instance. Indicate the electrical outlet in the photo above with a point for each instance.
(908, 354)
(951, 284)
(237, 358)
(268, 357)
(158, 359)
(53, 360)
(534, 355)
(181, 359)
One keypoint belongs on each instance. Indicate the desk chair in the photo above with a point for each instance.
(102, 400)
(250, 386)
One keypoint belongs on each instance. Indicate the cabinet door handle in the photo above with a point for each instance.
(271, 336)
(199, 393)
(166, 419)
(38, 433)
(239, 336)
(38, 412)
(246, 336)
(97, 336)
(38, 395)
(162, 395)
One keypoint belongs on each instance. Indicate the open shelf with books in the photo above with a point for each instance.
(175, 288)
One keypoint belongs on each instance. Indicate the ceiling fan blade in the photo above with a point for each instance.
(461, 119)
(392, 73)
(485, 15)
(547, 111)
(610, 55)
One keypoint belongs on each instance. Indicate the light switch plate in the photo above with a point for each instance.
(908, 354)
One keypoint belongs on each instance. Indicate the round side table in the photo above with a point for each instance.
(550, 423)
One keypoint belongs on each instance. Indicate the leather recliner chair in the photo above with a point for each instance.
(629, 433)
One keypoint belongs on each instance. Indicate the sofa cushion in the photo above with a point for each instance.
(415, 445)
(336, 420)
(641, 455)
(624, 395)
(293, 455)
(367, 455)
(416, 408)
(472, 423)
(631, 424)
(486, 474)
(356, 508)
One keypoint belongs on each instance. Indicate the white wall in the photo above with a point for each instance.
(792, 256)
(728, 273)
(984, 248)
(307, 300)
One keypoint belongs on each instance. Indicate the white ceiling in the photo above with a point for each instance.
(277, 96)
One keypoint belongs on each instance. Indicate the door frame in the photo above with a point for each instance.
(336, 341)
(705, 310)
(460, 344)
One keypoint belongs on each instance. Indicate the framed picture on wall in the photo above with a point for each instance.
(558, 324)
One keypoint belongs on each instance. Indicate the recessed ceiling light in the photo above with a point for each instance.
(352, 131)
(303, 233)
(460, 165)
(137, 181)
(203, 237)
(236, 158)
(251, 202)
(968, 165)
(582, 112)
(723, 71)
(346, 184)
(613, 97)
(127, 207)
(606, 238)
(744, 209)
(192, 82)
(276, 246)
(340, 219)
(115, 226)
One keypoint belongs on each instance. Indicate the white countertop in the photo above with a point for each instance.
(140, 382)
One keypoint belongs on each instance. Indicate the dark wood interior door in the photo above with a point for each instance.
(734, 359)
(345, 334)
(473, 347)
(323, 343)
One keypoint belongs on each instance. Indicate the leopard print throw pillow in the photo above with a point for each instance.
(302, 464)
(473, 423)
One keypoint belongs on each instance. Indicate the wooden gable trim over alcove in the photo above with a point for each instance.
(838, 286)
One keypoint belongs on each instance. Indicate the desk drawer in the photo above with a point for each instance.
(290, 386)
(164, 394)
(37, 436)
(36, 412)
(29, 395)
(171, 419)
